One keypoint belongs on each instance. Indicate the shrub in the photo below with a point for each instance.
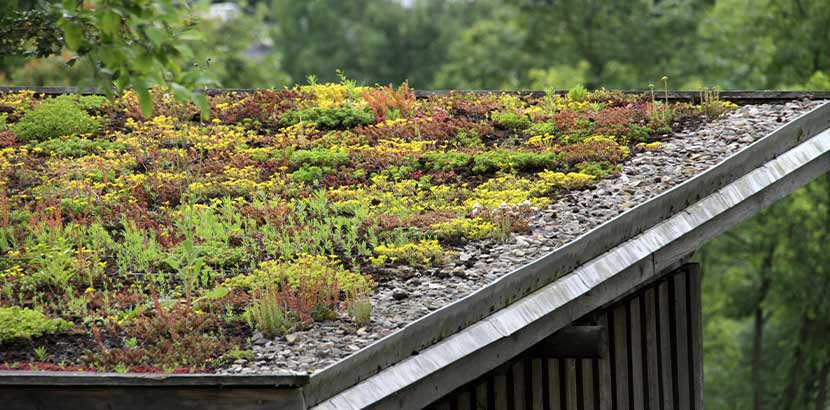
(55, 118)
(329, 118)
(27, 323)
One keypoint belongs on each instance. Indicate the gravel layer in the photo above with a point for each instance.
(417, 293)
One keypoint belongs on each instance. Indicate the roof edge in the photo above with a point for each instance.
(416, 381)
(455, 317)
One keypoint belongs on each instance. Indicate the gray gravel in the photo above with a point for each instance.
(416, 294)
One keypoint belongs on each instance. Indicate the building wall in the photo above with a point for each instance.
(649, 357)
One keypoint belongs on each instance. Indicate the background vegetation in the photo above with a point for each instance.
(767, 282)
(491, 44)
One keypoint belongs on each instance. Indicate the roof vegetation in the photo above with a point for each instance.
(165, 242)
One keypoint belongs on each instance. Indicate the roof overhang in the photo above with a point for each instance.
(440, 352)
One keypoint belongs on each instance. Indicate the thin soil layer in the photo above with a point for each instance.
(294, 227)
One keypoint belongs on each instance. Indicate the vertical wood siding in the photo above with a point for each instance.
(650, 358)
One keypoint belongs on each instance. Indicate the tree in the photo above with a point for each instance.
(128, 43)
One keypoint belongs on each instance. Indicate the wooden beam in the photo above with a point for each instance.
(572, 342)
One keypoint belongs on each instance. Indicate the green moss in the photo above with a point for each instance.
(55, 118)
(25, 323)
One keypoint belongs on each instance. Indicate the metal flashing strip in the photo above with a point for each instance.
(513, 326)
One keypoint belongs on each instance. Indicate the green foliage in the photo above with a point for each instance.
(55, 118)
(330, 118)
(25, 323)
(445, 161)
(423, 253)
(320, 156)
(511, 120)
(267, 313)
(577, 93)
(501, 159)
(75, 146)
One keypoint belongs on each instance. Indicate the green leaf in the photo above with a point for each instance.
(145, 101)
(73, 35)
(202, 102)
(191, 35)
(155, 35)
(181, 92)
(216, 293)
(110, 22)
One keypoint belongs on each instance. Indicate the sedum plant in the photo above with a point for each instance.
(27, 323)
(54, 118)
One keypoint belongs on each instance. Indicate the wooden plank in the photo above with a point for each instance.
(588, 383)
(555, 402)
(481, 396)
(572, 342)
(500, 391)
(666, 373)
(443, 405)
(682, 340)
(89, 379)
(537, 398)
(142, 398)
(652, 352)
(518, 385)
(605, 396)
(571, 395)
(696, 328)
(621, 356)
(464, 400)
(638, 377)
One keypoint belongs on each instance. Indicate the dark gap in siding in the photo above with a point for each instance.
(612, 358)
(580, 386)
(563, 383)
(546, 384)
(673, 338)
(629, 352)
(659, 342)
(644, 349)
(595, 364)
(690, 337)
(491, 392)
(511, 392)
(529, 383)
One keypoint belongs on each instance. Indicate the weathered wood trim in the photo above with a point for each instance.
(737, 96)
(149, 397)
(87, 379)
